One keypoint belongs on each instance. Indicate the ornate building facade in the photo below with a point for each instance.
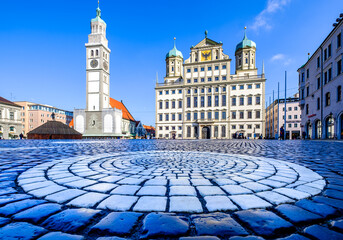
(99, 119)
(201, 99)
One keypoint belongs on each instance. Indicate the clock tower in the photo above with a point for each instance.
(97, 66)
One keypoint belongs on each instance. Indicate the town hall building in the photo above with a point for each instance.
(201, 99)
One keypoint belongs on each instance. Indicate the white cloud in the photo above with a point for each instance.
(281, 58)
(262, 20)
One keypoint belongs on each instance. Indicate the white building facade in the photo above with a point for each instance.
(10, 119)
(320, 88)
(99, 119)
(201, 99)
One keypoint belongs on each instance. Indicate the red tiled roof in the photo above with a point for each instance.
(119, 105)
(149, 127)
(71, 124)
(5, 101)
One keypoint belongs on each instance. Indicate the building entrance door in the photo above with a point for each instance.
(206, 133)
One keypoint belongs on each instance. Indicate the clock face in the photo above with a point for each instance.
(94, 63)
(105, 66)
(206, 55)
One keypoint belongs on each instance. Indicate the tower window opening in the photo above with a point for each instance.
(92, 53)
(246, 60)
(97, 52)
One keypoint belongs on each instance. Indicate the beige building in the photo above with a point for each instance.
(33, 115)
(10, 123)
(200, 98)
(277, 111)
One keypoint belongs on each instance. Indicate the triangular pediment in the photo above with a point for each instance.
(206, 42)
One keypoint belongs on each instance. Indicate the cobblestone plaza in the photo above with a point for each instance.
(163, 189)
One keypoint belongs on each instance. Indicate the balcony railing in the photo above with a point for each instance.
(247, 77)
(169, 84)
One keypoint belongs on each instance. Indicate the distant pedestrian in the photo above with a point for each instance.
(304, 135)
(282, 133)
(21, 135)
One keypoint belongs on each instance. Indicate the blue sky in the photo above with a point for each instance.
(43, 53)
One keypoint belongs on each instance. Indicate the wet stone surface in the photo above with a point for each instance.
(137, 189)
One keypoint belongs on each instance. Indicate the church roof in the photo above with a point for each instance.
(245, 43)
(54, 128)
(120, 105)
(98, 16)
(8, 102)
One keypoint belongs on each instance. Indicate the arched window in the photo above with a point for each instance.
(246, 60)
(223, 131)
(97, 52)
(339, 93)
(327, 99)
(216, 131)
(92, 53)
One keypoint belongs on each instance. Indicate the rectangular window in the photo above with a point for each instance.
(307, 91)
(233, 115)
(216, 67)
(224, 67)
(209, 79)
(173, 117)
(188, 91)
(249, 86)
(223, 78)
(173, 92)
(209, 115)
(188, 102)
(195, 69)
(161, 117)
(295, 116)
(180, 91)
(241, 87)
(216, 101)
(195, 102)
(233, 126)
(180, 103)
(209, 101)
(327, 99)
(160, 92)
(330, 74)
(233, 102)
(339, 67)
(233, 87)
(167, 92)
(249, 126)
(202, 79)
(258, 100)
(325, 77)
(241, 126)
(195, 115)
(216, 78)
(188, 116)
(289, 125)
(202, 69)
(318, 83)
(223, 100)
(289, 116)
(189, 132)
(339, 40)
(188, 70)
(216, 115)
(11, 115)
(241, 101)
(295, 125)
(180, 117)
(249, 100)
(318, 62)
(202, 101)
(195, 80)
(167, 117)
(241, 115)
(325, 54)
(209, 68)
(258, 114)
(202, 116)
(209, 90)
(249, 114)
(223, 115)
(329, 50)
(258, 85)
(167, 105)
(188, 81)
(257, 126)
(161, 105)
(224, 89)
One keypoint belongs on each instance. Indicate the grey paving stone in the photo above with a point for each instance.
(235, 189)
(185, 204)
(118, 203)
(182, 191)
(4, 221)
(64, 196)
(264, 223)
(334, 194)
(151, 204)
(116, 223)
(37, 213)
(210, 190)
(246, 238)
(7, 190)
(60, 235)
(152, 191)
(12, 198)
(21, 230)
(292, 193)
(337, 225)
(200, 238)
(125, 190)
(297, 214)
(329, 201)
(317, 208)
(217, 224)
(15, 207)
(247, 201)
(87, 200)
(274, 197)
(294, 237)
(101, 187)
(164, 225)
(322, 233)
(70, 220)
(219, 203)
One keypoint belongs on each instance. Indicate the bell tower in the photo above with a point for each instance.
(245, 55)
(174, 61)
(97, 66)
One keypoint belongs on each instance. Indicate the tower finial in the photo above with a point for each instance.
(206, 32)
(245, 32)
(174, 42)
(98, 11)
(262, 66)
(308, 56)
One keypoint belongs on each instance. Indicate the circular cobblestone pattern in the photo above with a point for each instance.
(180, 190)
(164, 181)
